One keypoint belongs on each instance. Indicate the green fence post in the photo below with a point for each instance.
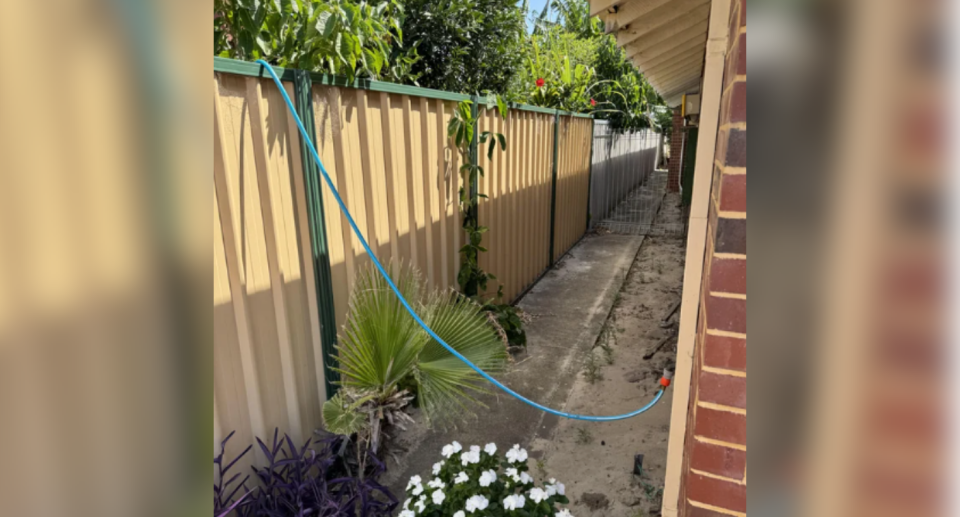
(553, 186)
(318, 238)
(475, 183)
(593, 125)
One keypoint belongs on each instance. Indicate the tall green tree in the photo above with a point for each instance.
(467, 46)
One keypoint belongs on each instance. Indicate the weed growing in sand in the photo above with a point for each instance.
(583, 436)
(606, 341)
(592, 369)
(653, 493)
(542, 469)
(607, 352)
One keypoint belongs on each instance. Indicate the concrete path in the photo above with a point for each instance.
(569, 307)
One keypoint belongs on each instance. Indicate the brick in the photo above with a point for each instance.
(716, 492)
(719, 460)
(735, 154)
(723, 389)
(733, 193)
(737, 108)
(721, 425)
(729, 314)
(743, 13)
(725, 352)
(731, 236)
(728, 275)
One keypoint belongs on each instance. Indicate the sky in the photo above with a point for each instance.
(534, 6)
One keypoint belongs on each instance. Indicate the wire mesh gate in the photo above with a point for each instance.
(627, 188)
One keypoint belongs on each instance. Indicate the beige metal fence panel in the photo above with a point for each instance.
(573, 173)
(388, 156)
(268, 367)
(517, 208)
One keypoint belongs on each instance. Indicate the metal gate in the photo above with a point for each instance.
(627, 189)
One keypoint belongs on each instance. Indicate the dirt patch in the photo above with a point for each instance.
(596, 460)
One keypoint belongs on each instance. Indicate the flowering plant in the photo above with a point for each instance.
(478, 482)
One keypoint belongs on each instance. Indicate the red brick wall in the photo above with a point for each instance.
(676, 152)
(714, 464)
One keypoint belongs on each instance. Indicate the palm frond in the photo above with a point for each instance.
(381, 341)
(447, 383)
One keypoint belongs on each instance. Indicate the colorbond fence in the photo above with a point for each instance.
(573, 182)
(285, 258)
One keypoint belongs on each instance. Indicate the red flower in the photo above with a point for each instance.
(593, 102)
(540, 82)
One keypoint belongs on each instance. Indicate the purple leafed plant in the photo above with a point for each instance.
(302, 481)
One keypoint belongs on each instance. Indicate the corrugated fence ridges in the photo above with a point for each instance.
(386, 150)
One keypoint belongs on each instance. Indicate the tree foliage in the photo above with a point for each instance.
(342, 37)
(465, 45)
(582, 69)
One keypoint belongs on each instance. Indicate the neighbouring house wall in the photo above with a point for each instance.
(714, 460)
(676, 152)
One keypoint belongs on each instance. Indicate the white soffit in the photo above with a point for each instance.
(665, 39)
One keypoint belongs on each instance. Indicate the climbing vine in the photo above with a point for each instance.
(460, 130)
(472, 278)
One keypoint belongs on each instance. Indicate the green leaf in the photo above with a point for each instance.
(503, 141)
(341, 417)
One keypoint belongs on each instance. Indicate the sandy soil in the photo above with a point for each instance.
(596, 460)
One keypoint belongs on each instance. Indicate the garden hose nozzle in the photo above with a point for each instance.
(667, 377)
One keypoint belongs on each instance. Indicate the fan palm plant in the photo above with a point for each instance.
(385, 355)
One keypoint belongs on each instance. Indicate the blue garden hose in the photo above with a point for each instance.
(386, 276)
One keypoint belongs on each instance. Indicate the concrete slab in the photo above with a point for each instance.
(569, 307)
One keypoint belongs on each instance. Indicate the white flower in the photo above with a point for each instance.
(490, 448)
(475, 448)
(436, 483)
(407, 513)
(436, 467)
(512, 502)
(477, 502)
(421, 505)
(438, 497)
(512, 474)
(555, 487)
(461, 478)
(516, 454)
(487, 477)
(406, 504)
(460, 514)
(470, 457)
(525, 478)
(417, 490)
(537, 495)
(415, 480)
(450, 450)
(563, 513)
